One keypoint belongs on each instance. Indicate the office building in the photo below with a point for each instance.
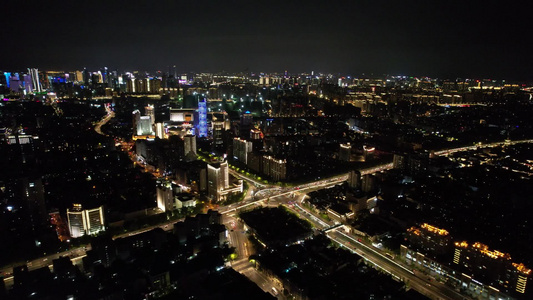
(85, 221)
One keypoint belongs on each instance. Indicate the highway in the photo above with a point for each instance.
(474, 147)
(372, 255)
(422, 284)
(76, 256)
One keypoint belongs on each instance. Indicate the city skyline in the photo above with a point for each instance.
(474, 39)
(266, 150)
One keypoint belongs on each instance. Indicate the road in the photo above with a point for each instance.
(237, 238)
(245, 178)
(110, 114)
(372, 255)
(474, 147)
(431, 289)
(76, 256)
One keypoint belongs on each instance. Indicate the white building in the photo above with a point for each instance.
(165, 196)
(217, 179)
(85, 221)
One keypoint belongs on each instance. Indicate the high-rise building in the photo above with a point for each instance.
(28, 84)
(78, 76)
(241, 149)
(202, 117)
(218, 129)
(136, 120)
(33, 194)
(160, 130)
(144, 127)
(95, 220)
(14, 82)
(165, 198)
(85, 221)
(368, 183)
(189, 142)
(491, 267)
(246, 124)
(149, 111)
(217, 180)
(354, 180)
(275, 168)
(36, 83)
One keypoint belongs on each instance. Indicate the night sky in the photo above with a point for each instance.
(421, 38)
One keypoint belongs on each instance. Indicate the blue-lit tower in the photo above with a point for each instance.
(7, 75)
(202, 117)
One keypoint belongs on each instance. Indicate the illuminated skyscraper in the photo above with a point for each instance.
(202, 117)
(34, 74)
(217, 179)
(218, 129)
(136, 119)
(7, 75)
(160, 130)
(144, 127)
(149, 111)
